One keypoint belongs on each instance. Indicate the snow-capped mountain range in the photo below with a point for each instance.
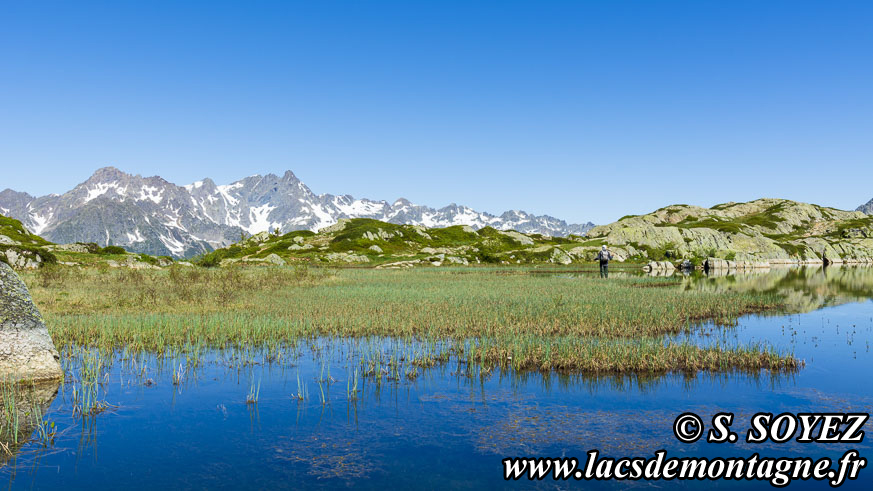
(151, 215)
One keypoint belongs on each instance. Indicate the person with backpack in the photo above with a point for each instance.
(604, 256)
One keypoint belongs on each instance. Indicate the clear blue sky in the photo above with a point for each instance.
(582, 110)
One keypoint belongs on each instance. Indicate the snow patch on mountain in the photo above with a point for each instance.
(149, 214)
(150, 193)
(176, 247)
(38, 223)
(259, 218)
(102, 188)
(133, 238)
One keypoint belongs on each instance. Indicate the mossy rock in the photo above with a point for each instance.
(14, 230)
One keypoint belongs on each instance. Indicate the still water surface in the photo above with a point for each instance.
(448, 427)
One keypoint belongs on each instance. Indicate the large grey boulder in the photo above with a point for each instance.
(275, 259)
(339, 226)
(26, 349)
(22, 258)
(346, 257)
(560, 256)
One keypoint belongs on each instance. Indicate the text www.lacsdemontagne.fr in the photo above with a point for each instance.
(778, 472)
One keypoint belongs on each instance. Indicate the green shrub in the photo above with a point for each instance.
(209, 261)
(111, 249)
(489, 257)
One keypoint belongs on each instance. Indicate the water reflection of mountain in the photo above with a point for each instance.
(804, 289)
(23, 407)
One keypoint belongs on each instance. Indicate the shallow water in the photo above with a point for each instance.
(447, 427)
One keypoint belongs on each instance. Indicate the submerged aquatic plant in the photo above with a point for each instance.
(254, 393)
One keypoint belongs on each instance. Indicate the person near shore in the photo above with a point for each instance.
(604, 256)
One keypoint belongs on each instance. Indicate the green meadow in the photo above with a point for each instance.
(487, 316)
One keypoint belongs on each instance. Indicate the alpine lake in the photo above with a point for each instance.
(308, 416)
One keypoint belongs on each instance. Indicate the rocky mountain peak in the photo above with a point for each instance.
(204, 185)
(155, 216)
(290, 177)
(106, 174)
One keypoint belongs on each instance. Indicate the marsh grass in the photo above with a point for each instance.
(87, 368)
(10, 423)
(45, 429)
(493, 317)
(22, 419)
(302, 392)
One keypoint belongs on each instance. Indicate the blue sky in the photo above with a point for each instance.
(581, 110)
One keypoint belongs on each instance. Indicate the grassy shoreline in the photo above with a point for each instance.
(488, 316)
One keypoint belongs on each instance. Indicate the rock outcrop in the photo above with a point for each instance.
(520, 238)
(771, 231)
(80, 248)
(560, 256)
(26, 349)
(659, 266)
(22, 258)
(131, 262)
(345, 257)
(750, 235)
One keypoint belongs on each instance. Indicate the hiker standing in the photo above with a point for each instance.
(604, 256)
